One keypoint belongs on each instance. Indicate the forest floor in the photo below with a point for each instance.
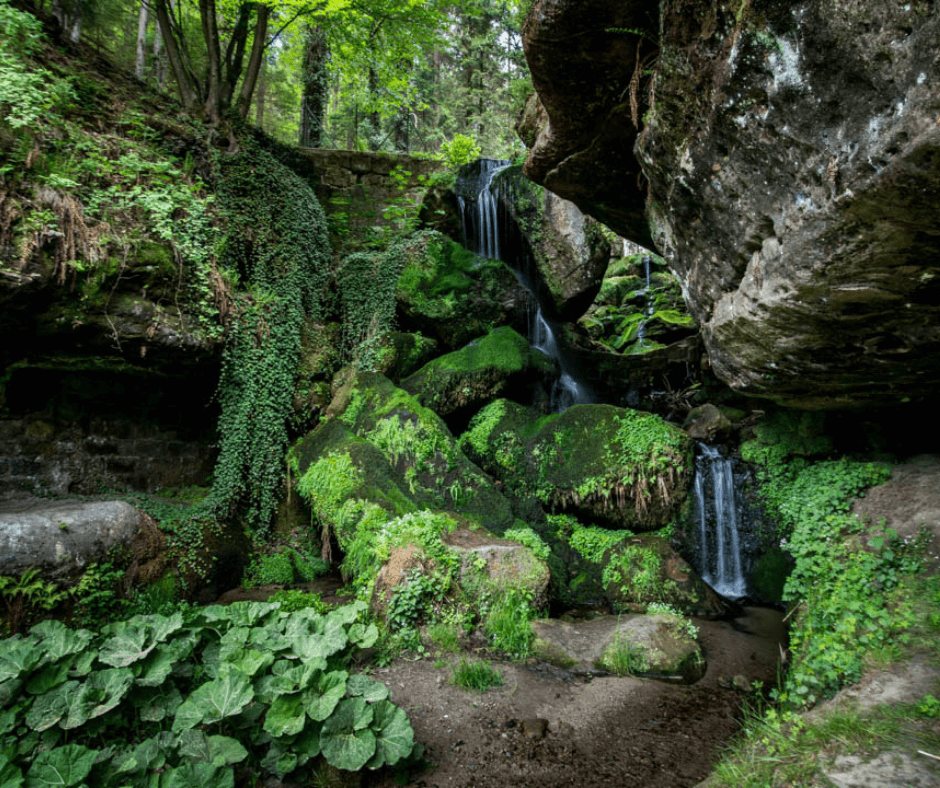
(546, 727)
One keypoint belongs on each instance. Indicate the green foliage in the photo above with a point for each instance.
(637, 574)
(593, 543)
(28, 596)
(474, 675)
(366, 283)
(683, 624)
(507, 622)
(850, 581)
(292, 600)
(247, 687)
(27, 92)
(623, 657)
(284, 568)
(528, 538)
(276, 243)
(416, 598)
(97, 595)
(460, 150)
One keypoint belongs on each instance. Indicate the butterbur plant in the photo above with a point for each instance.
(162, 700)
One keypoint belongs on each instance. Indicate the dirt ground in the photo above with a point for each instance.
(547, 727)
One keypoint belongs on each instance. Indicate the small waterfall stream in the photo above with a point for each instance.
(489, 230)
(718, 519)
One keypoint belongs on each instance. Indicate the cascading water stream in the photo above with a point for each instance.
(489, 230)
(718, 521)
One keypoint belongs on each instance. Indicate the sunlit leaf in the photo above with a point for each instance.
(394, 736)
(370, 690)
(321, 699)
(217, 750)
(215, 700)
(346, 740)
(66, 766)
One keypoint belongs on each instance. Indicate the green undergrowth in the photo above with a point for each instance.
(852, 584)
(475, 675)
(779, 749)
(191, 700)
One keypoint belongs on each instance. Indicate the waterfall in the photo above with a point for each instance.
(489, 230)
(718, 521)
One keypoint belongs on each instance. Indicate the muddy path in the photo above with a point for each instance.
(546, 727)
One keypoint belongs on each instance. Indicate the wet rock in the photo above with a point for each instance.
(791, 159)
(636, 644)
(61, 537)
(498, 364)
(885, 770)
(707, 423)
(619, 467)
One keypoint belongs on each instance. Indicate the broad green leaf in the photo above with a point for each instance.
(394, 736)
(312, 640)
(101, 692)
(10, 689)
(149, 755)
(233, 640)
(249, 661)
(10, 774)
(59, 641)
(214, 700)
(346, 740)
(362, 635)
(7, 720)
(347, 614)
(198, 775)
(48, 709)
(286, 717)
(370, 690)
(217, 750)
(135, 639)
(296, 679)
(18, 657)
(322, 698)
(307, 744)
(154, 669)
(280, 759)
(131, 644)
(155, 703)
(240, 614)
(66, 766)
(83, 663)
(269, 638)
(48, 677)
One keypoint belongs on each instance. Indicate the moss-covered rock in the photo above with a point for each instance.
(662, 644)
(498, 364)
(619, 467)
(450, 294)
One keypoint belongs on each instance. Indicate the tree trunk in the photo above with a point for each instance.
(210, 34)
(258, 46)
(316, 85)
(140, 63)
(259, 100)
(185, 83)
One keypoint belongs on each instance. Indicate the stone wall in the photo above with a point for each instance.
(355, 187)
(82, 432)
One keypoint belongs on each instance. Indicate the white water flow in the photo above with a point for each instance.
(490, 231)
(647, 307)
(717, 516)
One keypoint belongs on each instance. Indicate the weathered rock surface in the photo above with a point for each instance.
(615, 466)
(497, 365)
(792, 156)
(658, 644)
(61, 537)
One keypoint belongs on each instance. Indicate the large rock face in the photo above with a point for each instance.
(792, 152)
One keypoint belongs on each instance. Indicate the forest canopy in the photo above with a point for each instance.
(396, 75)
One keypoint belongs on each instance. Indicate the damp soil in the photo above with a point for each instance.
(548, 727)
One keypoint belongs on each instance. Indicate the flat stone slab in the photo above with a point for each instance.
(581, 646)
(887, 770)
(61, 536)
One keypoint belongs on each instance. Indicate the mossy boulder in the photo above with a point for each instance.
(614, 466)
(498, 364)
(379, 456)
(659, 645)
(707, 423)
(450, 294)
(626, 571)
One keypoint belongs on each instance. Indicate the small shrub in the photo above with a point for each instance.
(507, 623)
(623, 657)
(475, 675)
(292, 600)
